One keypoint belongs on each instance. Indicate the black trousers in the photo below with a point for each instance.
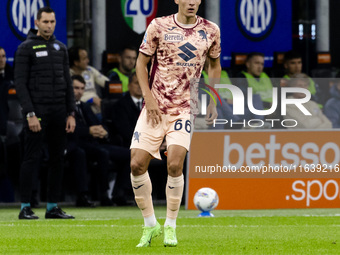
(53, 124)
(3, 156)
(102, 153)
(77, 159)
(121, 156)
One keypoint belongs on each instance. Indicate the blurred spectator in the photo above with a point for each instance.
(332, 106)
(224, 111)
(293, 65)
(224, 93)
(89, 135)
(9, 137)
(3, 112)
(79, 66)
(127, 63)
(124, 117)
(315, 121)
(257, 79)
(126, 111)
(4, 86)
(6, 70)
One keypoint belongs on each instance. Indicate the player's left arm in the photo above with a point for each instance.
(214, 73)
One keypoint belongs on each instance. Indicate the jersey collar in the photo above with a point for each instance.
(185, 26)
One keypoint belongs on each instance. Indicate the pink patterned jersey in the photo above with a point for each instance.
(178, 55)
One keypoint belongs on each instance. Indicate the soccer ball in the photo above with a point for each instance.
(206, 200)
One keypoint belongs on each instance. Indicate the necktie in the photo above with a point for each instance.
(80, 112)
(139, 105)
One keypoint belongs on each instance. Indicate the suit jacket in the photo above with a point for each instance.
(83, 123)
(5, 84)
(3, 106)
(124, 117)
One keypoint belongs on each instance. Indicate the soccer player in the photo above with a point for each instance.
(178, 46)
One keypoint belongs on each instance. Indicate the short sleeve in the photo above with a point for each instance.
(151, 39)
(215, 49)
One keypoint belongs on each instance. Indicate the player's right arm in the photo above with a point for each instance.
(151, 106)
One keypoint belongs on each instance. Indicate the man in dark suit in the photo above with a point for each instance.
(124, 115)
(90, 136)
(6, 81)
(126, 111)
(7, 129)
(3, 109)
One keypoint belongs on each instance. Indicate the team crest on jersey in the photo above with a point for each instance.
(86, 77)
(136, 136)
(173, 37)
(56, 46)
(203, 35)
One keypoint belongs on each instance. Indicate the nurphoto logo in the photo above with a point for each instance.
(241, 104)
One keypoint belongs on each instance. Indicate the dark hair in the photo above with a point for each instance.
(78, 78)
(128, 47)
(46, 9)
(73, 54)
(289, 55)
(253, 54)
(1, 48)
(131, 76)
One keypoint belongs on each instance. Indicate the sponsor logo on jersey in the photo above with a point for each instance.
(186, 64)
(39, 46)
(41, 54)
(173, 37)
(187, 50)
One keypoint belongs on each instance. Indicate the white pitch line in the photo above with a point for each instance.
(180, 226)
(129, 226)
(196, 217)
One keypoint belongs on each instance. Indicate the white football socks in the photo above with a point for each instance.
(174, 193)
(142, 189)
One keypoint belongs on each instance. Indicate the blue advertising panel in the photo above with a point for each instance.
(255, 25)
(17, 17)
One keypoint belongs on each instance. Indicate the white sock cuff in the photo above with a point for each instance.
(170, 222)
(140, 178)
(176, 181)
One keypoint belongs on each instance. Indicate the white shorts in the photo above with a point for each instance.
(175, 128)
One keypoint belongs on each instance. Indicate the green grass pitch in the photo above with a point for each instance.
(118, 230)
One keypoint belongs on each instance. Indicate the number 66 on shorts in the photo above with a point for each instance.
(175, 128)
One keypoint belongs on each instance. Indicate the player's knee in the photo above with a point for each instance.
(175, 168)
(137, 167)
